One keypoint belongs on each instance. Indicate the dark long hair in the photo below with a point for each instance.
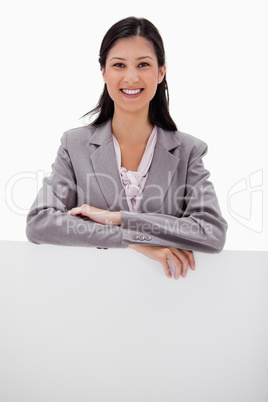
(159, 105)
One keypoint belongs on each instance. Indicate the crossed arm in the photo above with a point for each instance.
(179, 258)
(201, 226)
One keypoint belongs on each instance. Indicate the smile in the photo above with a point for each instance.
(131, 91)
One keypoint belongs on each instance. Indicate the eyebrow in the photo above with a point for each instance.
(139, 58)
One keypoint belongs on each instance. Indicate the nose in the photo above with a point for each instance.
(131, 76)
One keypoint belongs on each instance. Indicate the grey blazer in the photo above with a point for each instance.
(179, 204)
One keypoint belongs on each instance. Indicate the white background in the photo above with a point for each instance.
(217, 75)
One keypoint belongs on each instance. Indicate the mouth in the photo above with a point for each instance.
(131, 93)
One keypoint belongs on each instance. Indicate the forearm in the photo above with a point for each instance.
(50, 226)
(199, 232)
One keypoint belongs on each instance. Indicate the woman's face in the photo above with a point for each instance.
(132, 74)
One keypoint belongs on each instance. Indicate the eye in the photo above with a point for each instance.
(120, 65)
(143, 64)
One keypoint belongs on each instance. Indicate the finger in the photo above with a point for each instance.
(85, 210)
(184, 268)
(183, 258)
(75, 211)
(176, 262)
(191, 259)
(166, 268)
(178, 266)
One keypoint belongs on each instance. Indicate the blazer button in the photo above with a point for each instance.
(135, 237)
(148, 238)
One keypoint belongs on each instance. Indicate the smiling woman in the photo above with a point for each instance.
(129, 75)
(130, 178)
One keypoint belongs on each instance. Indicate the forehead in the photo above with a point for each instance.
(132, 47)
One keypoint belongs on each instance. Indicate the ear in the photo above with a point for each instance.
(162, 72)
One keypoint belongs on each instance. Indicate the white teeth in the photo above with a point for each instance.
(131, 91)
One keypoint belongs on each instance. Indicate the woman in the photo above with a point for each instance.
(130, 179)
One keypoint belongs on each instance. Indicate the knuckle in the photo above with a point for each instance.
(183, 257)
(164, 253)
(187, 252)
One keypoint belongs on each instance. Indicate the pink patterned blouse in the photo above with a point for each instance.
(134, 182)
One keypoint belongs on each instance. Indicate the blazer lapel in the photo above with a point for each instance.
(103, 160)
(163, 167)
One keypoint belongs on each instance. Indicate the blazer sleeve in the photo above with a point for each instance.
(200, 226)
(48, 221)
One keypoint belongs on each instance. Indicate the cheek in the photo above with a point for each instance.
(110, 80)
(153, 82)
(110, 85)
(154, 78)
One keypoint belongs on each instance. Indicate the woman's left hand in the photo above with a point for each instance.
(98, 215)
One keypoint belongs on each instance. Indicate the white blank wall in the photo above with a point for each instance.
(217, 74)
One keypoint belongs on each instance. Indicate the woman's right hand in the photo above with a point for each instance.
(179, 258)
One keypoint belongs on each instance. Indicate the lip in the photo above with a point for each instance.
(132, 96)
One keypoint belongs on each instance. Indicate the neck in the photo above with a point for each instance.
(131, 128)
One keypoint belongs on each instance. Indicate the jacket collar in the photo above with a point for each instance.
(163, 167)
(102, 134)
(166, 139)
